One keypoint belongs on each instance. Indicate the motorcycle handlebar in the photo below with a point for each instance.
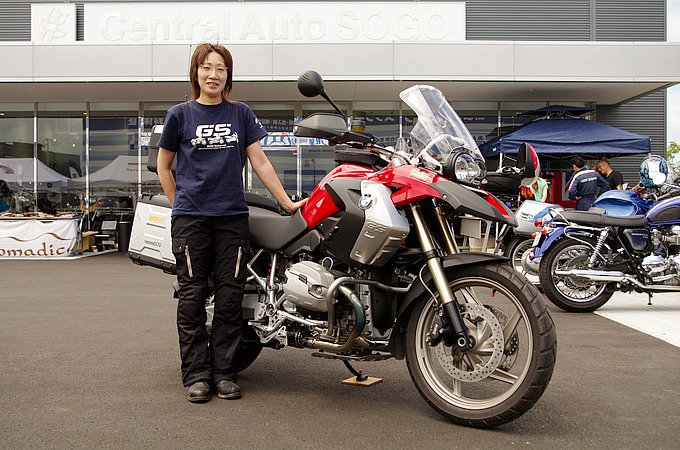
(669, 195)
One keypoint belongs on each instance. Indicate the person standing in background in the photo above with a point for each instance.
(584, 183)
(613, 177)
(540, 190)
(5, 197)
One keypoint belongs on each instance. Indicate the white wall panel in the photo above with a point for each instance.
(17, 62)
(91, 62)
(461, 61)
(366, 61)
(647, 57)
(251, 61)
(557, 61)
(171, 62)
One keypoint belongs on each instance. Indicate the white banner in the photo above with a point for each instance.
(33, 238)
(53, 22)
(275, 21)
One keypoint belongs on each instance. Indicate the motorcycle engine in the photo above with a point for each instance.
(665, 270)
(306, 285)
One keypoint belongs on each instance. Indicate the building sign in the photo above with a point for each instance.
(274, 21)
(284, 139)
(33, 238)
(53, 22)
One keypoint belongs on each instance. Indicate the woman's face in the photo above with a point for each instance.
(212, 76)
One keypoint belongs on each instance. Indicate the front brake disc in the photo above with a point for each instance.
(482, 360)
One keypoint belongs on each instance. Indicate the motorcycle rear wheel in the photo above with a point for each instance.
(249, 347)
(506, 372)
(248, 350)
(571, 294)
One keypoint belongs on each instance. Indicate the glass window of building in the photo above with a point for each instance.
(61, 156)
(16, 154)
(114, 163)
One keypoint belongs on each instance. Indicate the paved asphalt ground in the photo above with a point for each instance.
(89, 358)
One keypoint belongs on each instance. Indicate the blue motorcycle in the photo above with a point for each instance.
(630, 242)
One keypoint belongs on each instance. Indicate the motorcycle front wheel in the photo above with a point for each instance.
(509, 367)
(570, 293)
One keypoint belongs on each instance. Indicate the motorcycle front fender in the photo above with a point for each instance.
(546, 241)
(482, 204)
(397, 337)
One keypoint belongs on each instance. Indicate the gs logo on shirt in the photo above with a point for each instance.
(219, 129)
(214, 136)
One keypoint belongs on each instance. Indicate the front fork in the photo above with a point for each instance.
(434, 263)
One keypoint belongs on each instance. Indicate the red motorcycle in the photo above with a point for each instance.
(371, 268)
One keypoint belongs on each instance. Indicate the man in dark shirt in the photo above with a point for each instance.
(583, 185)
(613, 177)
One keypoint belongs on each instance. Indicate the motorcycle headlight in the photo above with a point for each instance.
(466, 169)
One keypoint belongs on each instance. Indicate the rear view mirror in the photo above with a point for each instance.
(528, 164)
(310, 84)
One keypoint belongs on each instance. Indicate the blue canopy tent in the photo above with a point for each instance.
(564, 138)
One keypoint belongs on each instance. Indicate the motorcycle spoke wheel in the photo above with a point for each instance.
(570, 293)
(515, 250)
(511, 362)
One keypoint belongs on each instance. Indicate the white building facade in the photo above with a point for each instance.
(83, 82)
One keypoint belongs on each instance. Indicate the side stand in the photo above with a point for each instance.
(359, 379)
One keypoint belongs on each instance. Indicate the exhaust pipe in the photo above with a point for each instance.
(360, 317)
(614, 277)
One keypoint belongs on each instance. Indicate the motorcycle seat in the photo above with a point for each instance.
(261, 201)
(271, 231)
(603, 220)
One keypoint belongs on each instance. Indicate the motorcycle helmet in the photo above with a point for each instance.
(653, 171)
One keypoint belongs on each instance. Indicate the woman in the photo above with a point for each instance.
(211, 137)
(540, 190)
(5, 196)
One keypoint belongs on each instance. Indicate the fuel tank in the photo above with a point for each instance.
(623, 203)
(665, 213)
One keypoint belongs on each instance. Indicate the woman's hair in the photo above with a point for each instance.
(199, 56)
(4, 189)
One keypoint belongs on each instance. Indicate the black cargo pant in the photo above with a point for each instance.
(203, 245)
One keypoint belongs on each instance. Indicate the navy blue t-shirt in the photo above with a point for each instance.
(210, 142)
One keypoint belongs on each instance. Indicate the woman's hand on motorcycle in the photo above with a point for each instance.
(294, 206)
